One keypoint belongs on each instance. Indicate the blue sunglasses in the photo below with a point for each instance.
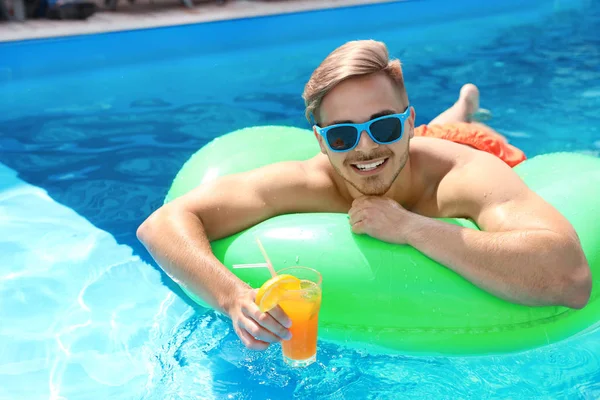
(383, 130)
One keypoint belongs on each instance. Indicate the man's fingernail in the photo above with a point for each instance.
(287, 336)
(287, 324)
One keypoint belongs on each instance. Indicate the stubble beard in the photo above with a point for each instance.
(374, 185)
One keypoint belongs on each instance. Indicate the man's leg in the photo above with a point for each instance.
(458, 125)
(464, 108)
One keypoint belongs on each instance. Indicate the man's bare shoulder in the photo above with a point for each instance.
(445, 169)
(234, 202)
(291, 186)
(440, 155)
(319, 172)
(431, 159)
(320, 183)
(471, 181)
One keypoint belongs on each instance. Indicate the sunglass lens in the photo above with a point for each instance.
(342, 137)
(387, 129)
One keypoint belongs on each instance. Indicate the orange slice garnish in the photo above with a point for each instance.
(271, 292)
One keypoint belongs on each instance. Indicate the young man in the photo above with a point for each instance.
(392, 179)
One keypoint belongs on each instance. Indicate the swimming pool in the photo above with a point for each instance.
(102, 123)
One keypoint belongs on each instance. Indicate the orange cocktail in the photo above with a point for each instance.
(297, 290)
(302, 307)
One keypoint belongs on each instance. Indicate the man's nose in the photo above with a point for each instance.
(365, 143)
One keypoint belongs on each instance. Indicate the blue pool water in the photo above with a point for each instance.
(93, 130)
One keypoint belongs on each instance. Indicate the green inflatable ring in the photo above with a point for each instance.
(389, 297)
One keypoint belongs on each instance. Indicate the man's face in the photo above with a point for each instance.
(371, 168)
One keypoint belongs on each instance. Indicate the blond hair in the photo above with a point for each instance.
(355, 58)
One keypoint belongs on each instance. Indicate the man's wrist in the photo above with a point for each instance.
(229, 298)
(412, 228)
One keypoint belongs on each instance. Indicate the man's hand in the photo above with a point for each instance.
(257, 330)
(379, 217)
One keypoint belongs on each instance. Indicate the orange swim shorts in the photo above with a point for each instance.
(478, 136)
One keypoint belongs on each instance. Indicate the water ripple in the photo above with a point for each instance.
(205, 346)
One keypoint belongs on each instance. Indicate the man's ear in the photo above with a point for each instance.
(320, 140)
(411, 122)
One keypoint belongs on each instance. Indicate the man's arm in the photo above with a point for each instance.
(178, 236)
(526, 250)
